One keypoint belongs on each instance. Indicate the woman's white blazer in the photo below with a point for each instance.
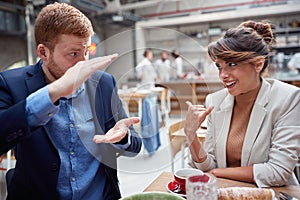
(272, 140)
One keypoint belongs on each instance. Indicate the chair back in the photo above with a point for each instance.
(176, 142)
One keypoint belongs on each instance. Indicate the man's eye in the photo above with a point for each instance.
(73, 54)
(232, 64)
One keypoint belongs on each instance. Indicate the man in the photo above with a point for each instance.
(63, 116)
(163, 66)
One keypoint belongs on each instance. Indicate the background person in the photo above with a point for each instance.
(294, 63)
(163, 67)
(252, 124)
(177, 64)
(145, 70)
(63, 116)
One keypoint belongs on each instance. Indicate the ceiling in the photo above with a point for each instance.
(122, 12)
(14, 5)
(106, 11)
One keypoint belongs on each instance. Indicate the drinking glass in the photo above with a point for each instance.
(201, 187)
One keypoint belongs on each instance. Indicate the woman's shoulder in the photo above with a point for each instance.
(281, 93)
(282, 86)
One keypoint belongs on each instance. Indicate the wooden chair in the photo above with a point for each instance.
(176, 143)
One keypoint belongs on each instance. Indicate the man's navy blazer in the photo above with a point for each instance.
(37, 167)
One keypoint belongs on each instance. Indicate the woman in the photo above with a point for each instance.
(145, 70)
(178, 63)
(253, 124)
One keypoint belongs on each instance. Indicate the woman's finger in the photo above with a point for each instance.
(189, 103)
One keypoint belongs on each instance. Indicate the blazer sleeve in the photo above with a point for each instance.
(13, 118)
(285, 141)
(115, 107)
(133, 138)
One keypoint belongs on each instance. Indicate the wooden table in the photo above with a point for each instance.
(160, 184)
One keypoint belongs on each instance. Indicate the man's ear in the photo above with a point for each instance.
(43, 52)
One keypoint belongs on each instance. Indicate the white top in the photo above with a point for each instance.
(178, 66)
(145, 71)
(295, 61)
(163, 69)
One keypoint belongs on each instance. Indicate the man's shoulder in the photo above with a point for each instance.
(21, 71)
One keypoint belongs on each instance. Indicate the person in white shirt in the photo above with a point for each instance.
(294, 63)
(145, 70)
(163, 67)
(178, 63)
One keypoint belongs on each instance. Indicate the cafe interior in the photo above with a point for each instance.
(180, 28)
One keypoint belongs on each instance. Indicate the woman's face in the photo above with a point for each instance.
(150, 55)
(238, 78)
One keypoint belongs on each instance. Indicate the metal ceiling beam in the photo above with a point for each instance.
(116, 6)
(275, 10)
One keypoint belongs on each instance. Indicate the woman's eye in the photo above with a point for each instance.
(232, 64)
(218, 65)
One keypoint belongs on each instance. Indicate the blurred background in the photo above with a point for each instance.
(128, 27)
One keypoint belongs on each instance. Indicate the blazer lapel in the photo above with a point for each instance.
(255, 122)
(222, 119)
(98, 150)
(92, 89)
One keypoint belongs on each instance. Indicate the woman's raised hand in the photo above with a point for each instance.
(195, 116)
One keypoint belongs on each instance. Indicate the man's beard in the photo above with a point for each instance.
(54, 69)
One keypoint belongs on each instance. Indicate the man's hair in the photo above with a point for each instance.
(60, 18)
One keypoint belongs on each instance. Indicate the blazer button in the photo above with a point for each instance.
(54, 167)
